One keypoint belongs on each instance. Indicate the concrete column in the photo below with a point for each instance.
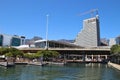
(106, 56)
(92, 57)
(83, 55)
(86, 57)
(98, 59)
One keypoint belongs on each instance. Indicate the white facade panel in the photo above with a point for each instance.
(7, 40)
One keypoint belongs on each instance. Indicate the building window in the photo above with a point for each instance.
(15, 41)
(1, 40)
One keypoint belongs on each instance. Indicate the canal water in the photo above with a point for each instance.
(71, 71)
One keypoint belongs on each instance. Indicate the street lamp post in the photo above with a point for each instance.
(47, 33)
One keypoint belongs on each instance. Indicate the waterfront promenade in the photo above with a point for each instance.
(117, 66)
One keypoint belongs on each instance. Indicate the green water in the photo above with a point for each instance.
(72, 71)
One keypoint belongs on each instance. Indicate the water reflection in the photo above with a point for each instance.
(71, 71)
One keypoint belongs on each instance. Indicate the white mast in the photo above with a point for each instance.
(47, 32)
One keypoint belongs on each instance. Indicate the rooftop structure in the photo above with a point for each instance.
(54, 44)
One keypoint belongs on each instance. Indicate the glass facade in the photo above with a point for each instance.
(40, 44)
(1, 40)
(15, 41)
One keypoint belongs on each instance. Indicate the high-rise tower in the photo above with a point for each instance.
(90, 34)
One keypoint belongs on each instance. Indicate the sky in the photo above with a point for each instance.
(28, 17)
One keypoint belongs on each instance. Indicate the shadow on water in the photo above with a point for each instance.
(71, 71)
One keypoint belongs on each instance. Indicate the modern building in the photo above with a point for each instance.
(54, 44)
(11, 40)
(90, 34)
(104, 42)
(114, 41)
(118, 40)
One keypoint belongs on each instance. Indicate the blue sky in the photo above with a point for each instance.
(28, 17)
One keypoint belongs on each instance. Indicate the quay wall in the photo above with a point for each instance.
(117, 66)
(3, 63)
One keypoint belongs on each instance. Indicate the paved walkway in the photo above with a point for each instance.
(117, 66)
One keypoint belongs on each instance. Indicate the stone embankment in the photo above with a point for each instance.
(6, 64)
(3, 63)
(117, 66)
(35, 63)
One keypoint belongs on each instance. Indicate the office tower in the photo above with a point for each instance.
(90, 34)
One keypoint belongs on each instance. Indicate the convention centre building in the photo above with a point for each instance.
(11, 40)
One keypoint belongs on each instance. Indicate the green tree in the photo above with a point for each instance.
(115, 49)
(16, 53)
(32, 55)
(9, 54)
(115, 54)
(13, 52)
(38, 54)
(3, 51)
(47, 54)
(29, 56)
